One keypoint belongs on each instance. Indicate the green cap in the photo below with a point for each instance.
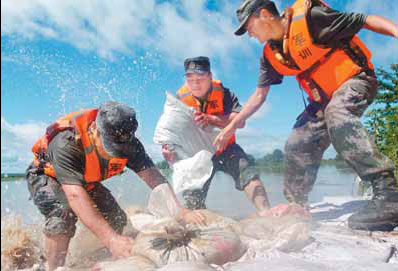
(247, 9)
(116, 123)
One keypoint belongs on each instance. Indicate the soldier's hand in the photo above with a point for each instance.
(201, 119)
(221, 141)
(192, 217)
(120, 246)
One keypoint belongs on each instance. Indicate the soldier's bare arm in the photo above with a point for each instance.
(253, 104)
(219, 121)
(83, 206)
(152, 177)
(381, 25)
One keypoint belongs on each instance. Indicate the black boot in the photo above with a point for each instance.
(381, 214)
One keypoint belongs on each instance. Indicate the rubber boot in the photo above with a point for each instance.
(381, 213)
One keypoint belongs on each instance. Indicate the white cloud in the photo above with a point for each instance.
(16, 143)
(179, 28)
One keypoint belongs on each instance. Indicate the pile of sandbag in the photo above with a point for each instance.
(134, 263)
(170, 242)
(187, 266)
(163, 241)
(139, 263)
(288, 232)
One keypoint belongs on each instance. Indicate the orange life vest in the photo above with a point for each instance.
(79, 122)
(319, 71)
(214, 105)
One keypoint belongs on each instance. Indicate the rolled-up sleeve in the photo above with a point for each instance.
(67, 158)
(231, 102)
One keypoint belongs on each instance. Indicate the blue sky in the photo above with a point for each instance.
(63, 56)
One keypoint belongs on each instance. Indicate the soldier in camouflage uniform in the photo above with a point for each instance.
(71, 162)
(332, 120)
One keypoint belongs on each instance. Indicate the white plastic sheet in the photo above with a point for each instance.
(161, 202)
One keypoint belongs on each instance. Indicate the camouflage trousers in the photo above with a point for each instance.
(233, 161)
(337, 123)
(50, 199)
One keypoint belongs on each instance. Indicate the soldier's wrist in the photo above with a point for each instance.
(108, 238)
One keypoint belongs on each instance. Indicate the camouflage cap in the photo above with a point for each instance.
(247, 8)
(116, 124)
(200, 64)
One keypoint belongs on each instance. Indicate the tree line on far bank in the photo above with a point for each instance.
(271, 162)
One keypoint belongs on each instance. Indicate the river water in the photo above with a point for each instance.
(128, 189)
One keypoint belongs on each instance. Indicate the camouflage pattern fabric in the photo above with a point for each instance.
(233, 161)
(337, 123)
(50, 199)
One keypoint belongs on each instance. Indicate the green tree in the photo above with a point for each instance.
(382, 119)
(277, 155)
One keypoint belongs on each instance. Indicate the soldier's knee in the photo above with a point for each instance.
(60, 226)
(292, 145)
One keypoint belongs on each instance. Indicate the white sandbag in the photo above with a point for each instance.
(141, 221)
(162, 203)
(176, 126)
(192, 173)
(170, 242)
(213, 220)
(133, 263)
(136, 209)
(187, 266)
(193, 145)
(287, 233)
